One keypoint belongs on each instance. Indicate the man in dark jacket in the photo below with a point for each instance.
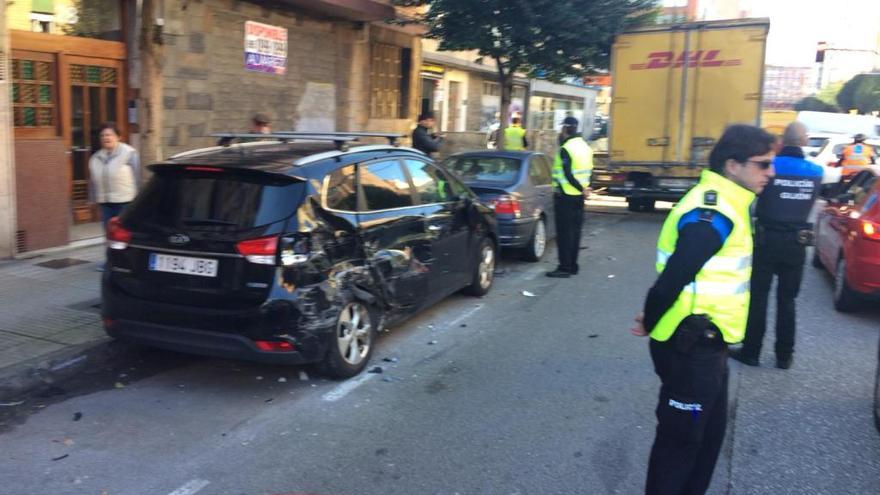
(781, 235)
(422, 139)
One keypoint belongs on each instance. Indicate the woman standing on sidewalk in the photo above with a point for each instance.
(114, 172)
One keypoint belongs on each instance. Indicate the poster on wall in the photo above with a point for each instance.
(265, 48)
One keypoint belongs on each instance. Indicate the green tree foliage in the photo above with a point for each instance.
(828, 94)
(550, 39)
(814, 104)
(861, 93)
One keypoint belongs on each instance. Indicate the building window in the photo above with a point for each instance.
(33, 93)
(390, 70)
(491, 89)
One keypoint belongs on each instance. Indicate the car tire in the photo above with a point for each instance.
(877, 396)
(484, 269)
(845, 299)
(352, 341)
(537, 245)
(633, 204)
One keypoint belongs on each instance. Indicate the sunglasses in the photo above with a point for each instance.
(763, 164)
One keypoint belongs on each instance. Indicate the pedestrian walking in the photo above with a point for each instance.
(699, 305)
(571, 178)
(114, 172)
(781, 237)
(515, 136)
(857, 154)
(422, 139)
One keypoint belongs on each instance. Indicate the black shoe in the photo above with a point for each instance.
(740, 356)
(558, 274)
(784, 363)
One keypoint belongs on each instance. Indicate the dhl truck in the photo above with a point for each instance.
(675, 88)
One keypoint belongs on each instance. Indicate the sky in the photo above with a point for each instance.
(796, 26)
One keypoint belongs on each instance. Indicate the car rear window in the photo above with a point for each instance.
(816, 142)
(491, 170)
(215, 200)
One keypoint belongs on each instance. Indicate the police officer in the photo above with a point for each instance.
(857, 154)
(781, 235)
(699, 305)
(571, 179)
(515, 136)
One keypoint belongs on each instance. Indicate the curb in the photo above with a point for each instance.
(18, 379)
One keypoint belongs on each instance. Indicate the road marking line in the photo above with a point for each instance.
(345, 388)
(191, 487)
(465, 315)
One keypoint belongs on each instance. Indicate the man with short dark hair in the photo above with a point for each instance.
(699, 305)
(261, 124)
(422, 139)
(572, 170)
(781, 235)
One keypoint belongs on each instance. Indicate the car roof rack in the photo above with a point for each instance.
(339, 139)
(392, 137)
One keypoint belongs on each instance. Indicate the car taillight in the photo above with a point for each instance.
(118, 237)
(507, 205)
(261, 251)
(274, 346)
(871, 230)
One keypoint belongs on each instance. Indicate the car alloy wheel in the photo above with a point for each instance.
(536, 248)
(487, 266)
(354, 335)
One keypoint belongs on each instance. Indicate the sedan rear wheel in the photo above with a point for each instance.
(538, 244)
(484, 269)
(352, 342)
(845, 299)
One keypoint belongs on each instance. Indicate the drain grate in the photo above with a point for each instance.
(61, 263)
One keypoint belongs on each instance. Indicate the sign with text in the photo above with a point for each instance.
(265, 48)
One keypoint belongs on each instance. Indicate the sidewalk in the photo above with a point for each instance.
(50, 321)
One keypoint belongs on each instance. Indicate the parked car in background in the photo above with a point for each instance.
(815, 142)
(518, 186)
(847, 238)
(828, 157)
(291, 252)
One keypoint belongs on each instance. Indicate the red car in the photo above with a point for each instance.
(848, 238)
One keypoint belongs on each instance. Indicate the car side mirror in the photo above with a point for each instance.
(814, 154)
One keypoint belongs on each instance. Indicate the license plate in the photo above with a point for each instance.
(675, 183)
(202, 267)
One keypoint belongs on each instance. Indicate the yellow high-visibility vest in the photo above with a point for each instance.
(581, 165)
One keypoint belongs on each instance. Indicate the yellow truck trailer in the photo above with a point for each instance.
(674, 90)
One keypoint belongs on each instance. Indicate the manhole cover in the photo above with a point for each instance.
(61, 263)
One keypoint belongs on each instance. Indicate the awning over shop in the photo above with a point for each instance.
(351, 10)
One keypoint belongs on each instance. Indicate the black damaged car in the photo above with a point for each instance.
(290, 252)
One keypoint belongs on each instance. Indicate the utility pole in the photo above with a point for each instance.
(151, 82)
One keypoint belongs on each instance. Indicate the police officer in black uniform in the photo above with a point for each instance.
(782, 234)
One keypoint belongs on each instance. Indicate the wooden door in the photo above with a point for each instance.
(95, 92)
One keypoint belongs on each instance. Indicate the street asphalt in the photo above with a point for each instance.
(535, 392)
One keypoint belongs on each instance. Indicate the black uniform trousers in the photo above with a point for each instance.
(691, 412)
(776, 253)
(569, 212)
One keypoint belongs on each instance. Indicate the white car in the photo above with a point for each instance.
(816, 140)
(828, 156)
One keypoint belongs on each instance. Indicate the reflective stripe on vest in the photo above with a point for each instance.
(581, 166)
(513, 138)
(714, 263)
(721, 287)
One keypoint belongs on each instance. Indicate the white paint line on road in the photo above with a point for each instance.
(345, 388)
(465, 315)
(191, 487)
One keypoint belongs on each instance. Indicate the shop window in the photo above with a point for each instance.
(390, 71)
(33, 93)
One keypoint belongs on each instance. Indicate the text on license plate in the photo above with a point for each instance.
(202, 267)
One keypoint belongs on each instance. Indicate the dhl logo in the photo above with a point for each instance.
(698, 58)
